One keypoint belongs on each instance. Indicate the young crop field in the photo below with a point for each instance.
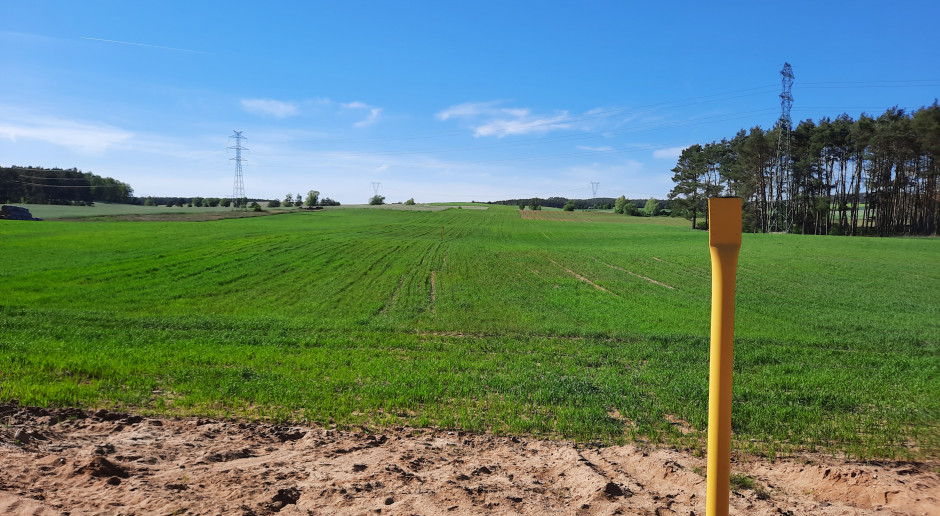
(560, 327)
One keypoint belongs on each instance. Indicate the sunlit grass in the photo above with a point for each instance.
(545, 327)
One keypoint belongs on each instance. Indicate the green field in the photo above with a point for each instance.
(579, 329)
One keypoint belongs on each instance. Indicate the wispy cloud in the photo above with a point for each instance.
(84, 137)
(488, 119)
(469, 110)
(371, 119)
(603, 148)
(144, 45)
(373, 116)
(670, 153)
(267, 107)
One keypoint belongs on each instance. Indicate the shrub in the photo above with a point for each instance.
(410, 202)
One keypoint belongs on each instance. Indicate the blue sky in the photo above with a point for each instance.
(438, 101)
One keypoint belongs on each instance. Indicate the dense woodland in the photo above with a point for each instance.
(36, 185)
(870, 176)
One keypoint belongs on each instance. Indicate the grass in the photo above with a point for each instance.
(102, 209)
(543, 327)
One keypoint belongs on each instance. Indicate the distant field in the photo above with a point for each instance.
(100, 209)
(574, 328)
(600, 216)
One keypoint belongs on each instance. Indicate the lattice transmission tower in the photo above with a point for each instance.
(239, 201)
(594, 185)
(779, 214)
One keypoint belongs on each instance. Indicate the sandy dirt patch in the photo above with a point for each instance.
(67, 461)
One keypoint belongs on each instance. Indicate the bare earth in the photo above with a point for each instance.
(66, 461)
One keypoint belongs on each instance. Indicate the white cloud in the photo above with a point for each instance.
(468, 110)
(82, 136)
(371, 119)
(604, 148)
(522, 125)
(670, 153)
(488, 119)
(267, 107)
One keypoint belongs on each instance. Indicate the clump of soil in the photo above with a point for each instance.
(113, 463)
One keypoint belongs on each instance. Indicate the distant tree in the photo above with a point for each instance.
(569, 206)
(298, 200)
(212, 202)
(149, 201)
(652, 208)
(326, 201)
(521, 205)
(274, 204)
(170, 203)
(198, 202)
(225, 203)
(377, 199)
(619, 204)
(535, 204)
(410, 202)
(630, 209)
(312, 197)
(689, 175)
(288, 201)
(255, 206)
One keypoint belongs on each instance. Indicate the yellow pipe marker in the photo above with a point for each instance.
(724, 241)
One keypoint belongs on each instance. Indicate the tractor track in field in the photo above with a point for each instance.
(651, 280)
(582, 278)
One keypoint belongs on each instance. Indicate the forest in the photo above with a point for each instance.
(867, 176)
(37, 185)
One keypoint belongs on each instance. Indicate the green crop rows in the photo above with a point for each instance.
(577, 329)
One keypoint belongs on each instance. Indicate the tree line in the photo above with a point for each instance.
(37, 185)
(865, 176)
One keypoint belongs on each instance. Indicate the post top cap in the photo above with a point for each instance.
(724, 221)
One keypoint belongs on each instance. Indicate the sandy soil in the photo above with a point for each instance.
(71, 462)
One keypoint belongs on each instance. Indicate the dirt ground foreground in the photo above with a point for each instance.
(67, 461)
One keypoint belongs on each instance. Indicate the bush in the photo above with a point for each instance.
(255, 207)
(569, 206)
(274, 204)
(326, 201)
(410, 202)
(701, 225)
(377, 200)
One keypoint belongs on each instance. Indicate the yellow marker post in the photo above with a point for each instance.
(724, 241)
